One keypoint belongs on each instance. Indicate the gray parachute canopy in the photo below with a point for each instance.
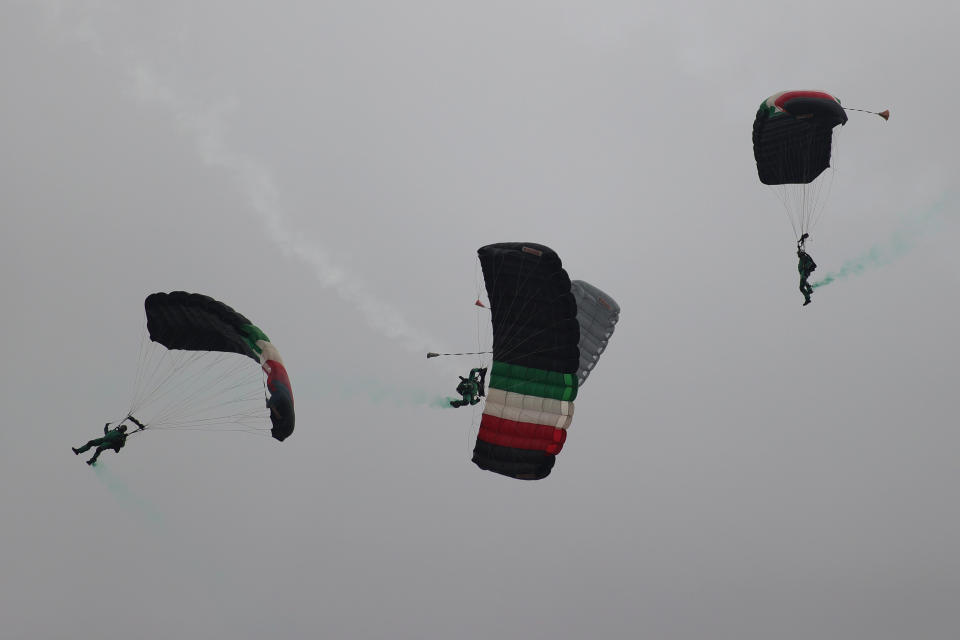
(597, 313)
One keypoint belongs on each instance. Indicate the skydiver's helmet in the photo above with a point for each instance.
(122, 428)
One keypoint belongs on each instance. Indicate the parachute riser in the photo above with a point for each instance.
(140, 425)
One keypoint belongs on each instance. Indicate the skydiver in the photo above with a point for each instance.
(805, 266)
(112, 439)
(471, 388)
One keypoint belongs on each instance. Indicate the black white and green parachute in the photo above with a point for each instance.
(548, 334)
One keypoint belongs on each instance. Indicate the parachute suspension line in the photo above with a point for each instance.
(254, 431)
(817, 214)
(198, 398)
(172, 365)
(196, 403)
(159, 367)
(150, 361)
(186, 388)
(781, 193)
(240, 415)
(138, 375)
(824, 183)
(808, 192)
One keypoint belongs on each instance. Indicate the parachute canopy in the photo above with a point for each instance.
(792, 143)
(546, 340)
(195, 322)
(792, 136)
(597, 314)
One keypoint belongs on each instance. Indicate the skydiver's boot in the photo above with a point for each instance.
(96, 455)
(85, 447)
(456, 404)
(76, 451)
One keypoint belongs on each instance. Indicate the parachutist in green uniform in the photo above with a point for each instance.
(805, 266)
(112, 439)
(471, 388)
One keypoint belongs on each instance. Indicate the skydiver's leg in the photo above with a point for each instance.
(92, 443)
(474, 400)
(96, 454)
(461, 403)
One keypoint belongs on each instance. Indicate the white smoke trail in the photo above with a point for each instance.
(77, 22)
(255, 181)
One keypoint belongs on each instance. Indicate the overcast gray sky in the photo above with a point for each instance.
(739, 467)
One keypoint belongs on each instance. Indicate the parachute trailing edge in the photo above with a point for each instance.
(597, 314)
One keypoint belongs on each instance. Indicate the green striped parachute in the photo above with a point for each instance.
(548, 334)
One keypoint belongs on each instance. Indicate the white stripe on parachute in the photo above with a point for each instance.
(525, 408)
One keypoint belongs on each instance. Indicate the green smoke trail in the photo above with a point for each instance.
(122, 494)
(901, 242)
(443, 403)
(379, 391)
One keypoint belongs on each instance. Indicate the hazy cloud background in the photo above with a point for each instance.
(739, 467)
